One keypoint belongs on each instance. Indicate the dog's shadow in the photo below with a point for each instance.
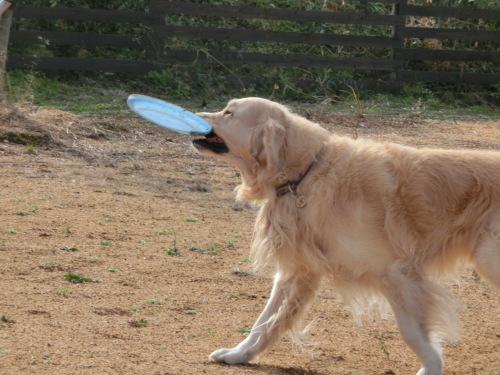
(275, 370)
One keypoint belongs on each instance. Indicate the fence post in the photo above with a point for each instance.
(398, 35)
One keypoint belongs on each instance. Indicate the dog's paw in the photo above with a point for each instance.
(230, 356)
(423, 371)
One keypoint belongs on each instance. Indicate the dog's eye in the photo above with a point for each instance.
(228, 113)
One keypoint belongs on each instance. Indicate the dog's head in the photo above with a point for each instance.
(262, 139)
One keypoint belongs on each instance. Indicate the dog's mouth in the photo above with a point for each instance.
(211, 142)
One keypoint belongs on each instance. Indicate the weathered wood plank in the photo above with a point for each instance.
(446, 55)
(275, 36)
(449, 77)
(447, 12)
(74, 63)
(246, 12)
(80, 14)
(379, 1)
(473, 35)
(73, 38)
(159, 32)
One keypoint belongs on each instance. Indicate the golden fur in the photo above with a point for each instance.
(380, 219)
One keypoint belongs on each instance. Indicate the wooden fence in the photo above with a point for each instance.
(398, 62)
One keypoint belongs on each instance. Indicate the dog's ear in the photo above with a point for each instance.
(267, 147)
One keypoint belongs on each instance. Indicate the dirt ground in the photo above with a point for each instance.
(151, 225)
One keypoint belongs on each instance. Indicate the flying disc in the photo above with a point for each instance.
(168, 115)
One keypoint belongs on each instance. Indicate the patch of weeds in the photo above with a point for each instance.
(154, 301)
(24, 139)
(4, 352)
(30, 149)
(165, 232)
(63, 292)
(105, 243)
(112, 270)
(201, 205)
(357, 106)
(210, 249)
(190, 312)
(162, 347)
(108, 219)
(246, 259)
(190, 219)
(142, 242)
(134, 308)
(172, 251)
(33, 207)
(213, 249)
(138, 323)
(244, 330)
(70, 249)
(10, 231)
(77, 278)
(231, 244)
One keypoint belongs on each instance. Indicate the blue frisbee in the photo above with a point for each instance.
(168, 115)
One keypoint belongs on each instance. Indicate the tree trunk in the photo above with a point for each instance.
(5, 23)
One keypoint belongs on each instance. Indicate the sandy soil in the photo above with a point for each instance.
(152, 227)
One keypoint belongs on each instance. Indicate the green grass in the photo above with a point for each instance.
(70, 249)
(245, 330)
(139, 323)
(95, 94)
(153, 301)
(165, 232)
(134, 308)
(172, 251)
(209, 249)
(78, 279)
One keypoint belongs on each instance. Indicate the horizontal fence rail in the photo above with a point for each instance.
(154, 44)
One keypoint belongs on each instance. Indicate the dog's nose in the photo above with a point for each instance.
(203, 115)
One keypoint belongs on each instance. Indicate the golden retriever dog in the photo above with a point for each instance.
(379, 219)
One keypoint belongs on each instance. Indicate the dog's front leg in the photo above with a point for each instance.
(289, 300)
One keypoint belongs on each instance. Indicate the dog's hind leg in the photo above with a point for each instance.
(488, 255)
(290, 298)
(422, 310)
(420, 342)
